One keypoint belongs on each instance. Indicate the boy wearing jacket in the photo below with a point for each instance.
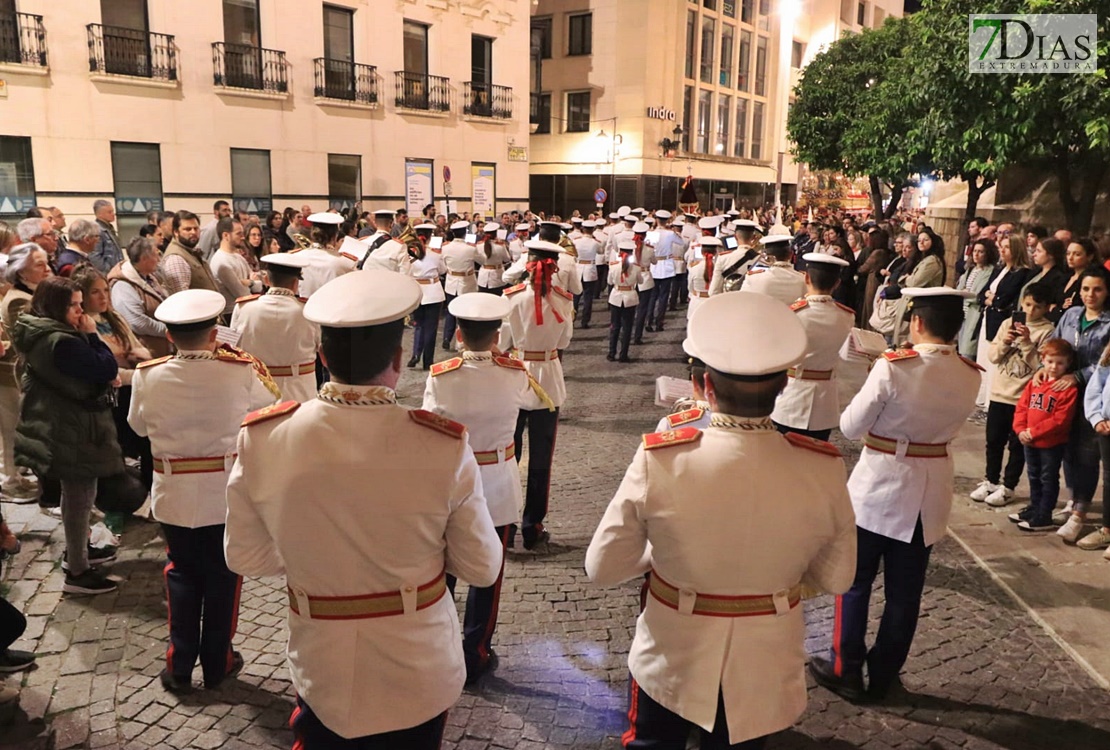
(1042, 422)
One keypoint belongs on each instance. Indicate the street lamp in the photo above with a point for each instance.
(670, 146)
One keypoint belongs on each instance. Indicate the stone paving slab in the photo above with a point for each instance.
(982, 673)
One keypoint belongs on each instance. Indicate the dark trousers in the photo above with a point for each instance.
(426, 321)
(131, 443)
(643, 310)
(482, 604)
(203, 602)
(309, 733)
(449, 322)
(904, 566)
(620, 328)
(50, 492)
(1000, 436)
(584, 302)
(652, 727)
(816, 434)
(1044, 480)
(680, 290)
(660, 300)
(491, 289)
(542, 425)
(12, 624)
(602, 278)
(1081, 459)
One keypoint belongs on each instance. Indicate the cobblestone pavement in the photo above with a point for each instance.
(981, 674)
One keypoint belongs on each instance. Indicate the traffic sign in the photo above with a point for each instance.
(446, 173)
(600, 195)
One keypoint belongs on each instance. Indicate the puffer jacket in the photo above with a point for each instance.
(65, 430)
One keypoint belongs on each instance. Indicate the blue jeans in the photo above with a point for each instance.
(1043, 466)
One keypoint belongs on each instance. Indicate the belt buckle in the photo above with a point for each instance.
(304, 608)
(902, 446)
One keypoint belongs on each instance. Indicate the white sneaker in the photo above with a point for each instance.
(979, 494)
(1071, 530)
(1060, 517)
(1001, 497)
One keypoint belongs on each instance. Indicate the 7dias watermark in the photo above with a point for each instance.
(1033, 43)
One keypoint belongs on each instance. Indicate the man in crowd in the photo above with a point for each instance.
(400, 223)
(209, 235)
(234, 278)
(41, 232)
(109, 251)
(183, 267)
(975, 228)
(84, 236)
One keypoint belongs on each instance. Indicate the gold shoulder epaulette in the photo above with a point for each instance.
(681, 436)
(512, 364)
(812, 444)
(799, 304)
(449, 366)
(439, 424)
(845, 308)
(971, 363)
(269, 412)
(229, 353)
(153, 362)
(898, 355)
(248, 298)
(348, 256)
(515, 289)
(684, 417)
(754, 271)
(562, 292)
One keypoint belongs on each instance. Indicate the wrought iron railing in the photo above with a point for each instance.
(241, 66)
(487, 100)
(22, 39)
(352, 82)
(422, 91)
(131, 52)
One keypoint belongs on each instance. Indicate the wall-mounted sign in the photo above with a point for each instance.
(518, 153)
(418, 185)
(662, 113)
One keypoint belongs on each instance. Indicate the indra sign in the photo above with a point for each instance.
(662, 113)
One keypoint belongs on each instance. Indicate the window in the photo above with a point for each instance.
(728, 34)
(415, 48)
(243, 42)
(541, 37)
(740, 143)
(691, 41)
(861, 14)
(744, 71)
(578, 112)
(728, 7)
(17, 177)
(687, 116)
(250, 180)
(581, 34)
(481, 60)
(724, 111)
(124, 14)
(757, 130)
(705, 116)
(339, 33)
(708, 39)
(761, 66)
(764, 15)
(344, 180)
(127, 48)
(747, 11)
(797, 54)
(137, 178)
(241, 23)
(709, 4)
(543, 113)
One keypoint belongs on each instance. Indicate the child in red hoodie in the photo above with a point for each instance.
(1042, 422)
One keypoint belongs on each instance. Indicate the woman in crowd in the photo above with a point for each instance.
(998, 300)
(137, 292)
(1082, 254)
(1049, 259)
(1087, 329)
(114, 332)
(66, 430)
(984, 256)
(255, 247)
(271, 228)
(289, 223)
(427, 267)
(929, 271)
(624, 276)
(878, 258)
(153, 232)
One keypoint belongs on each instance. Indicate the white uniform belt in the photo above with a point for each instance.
(461, 273)
(804, 374)
(201, 465)
(530, 356)
(700, 294)
(499, 456)
(288, 371)
(363, 607)
(904, 448)
(710, 605)
(427, 281)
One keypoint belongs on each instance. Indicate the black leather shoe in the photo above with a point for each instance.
(638, 342)
(412, 362)
(175, 685)
(848, 687)
(611, 357)
(625, 360)
(537, 537)
(475, 668)
(649, 329)
(236, 668)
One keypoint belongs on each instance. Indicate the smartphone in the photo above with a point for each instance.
(1018, 318)
(502, 234)
(731, 243)
(471, 239)
(435, 243)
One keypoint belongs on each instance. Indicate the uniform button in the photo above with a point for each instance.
(408, 589)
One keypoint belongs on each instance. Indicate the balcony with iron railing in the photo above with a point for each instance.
(422, 92)
(22, 40)
(247, 68)
(343, 81)
(119, 51)
(482, 99)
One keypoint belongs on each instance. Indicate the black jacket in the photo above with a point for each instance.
(1006, 298)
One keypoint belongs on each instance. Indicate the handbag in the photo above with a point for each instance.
(121, 493)
(884, 316)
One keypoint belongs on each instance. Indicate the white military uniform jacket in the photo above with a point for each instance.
(389, 256)
(664, 251)
(737, 261)
(567, 276)
(810, 402)
(678, 252)
(696, 415)
(486, 394)
(624, 292)
(699, 287)
(647, 262)
(489, 275)
(923, 396)
(413, 509)
(190, 406)
(460, 259)
(272, 327)
(705, 511)
(427, 271)
(779, 280)
(588, 251)
(553, 335)
(323, 266)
